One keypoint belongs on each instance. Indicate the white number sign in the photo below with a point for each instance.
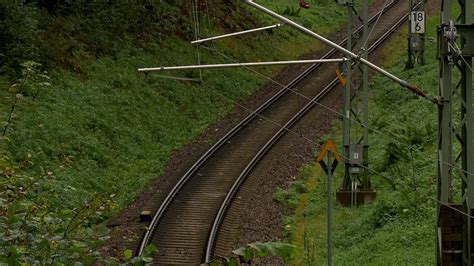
(418, 22)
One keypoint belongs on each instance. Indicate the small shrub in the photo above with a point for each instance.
(18, 33)
(32, 80)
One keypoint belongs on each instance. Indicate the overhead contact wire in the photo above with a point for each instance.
(375, 25)
(389, 135)
(197, 33)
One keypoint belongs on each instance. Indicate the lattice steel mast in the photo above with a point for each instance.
(356, 187)
(455, 133)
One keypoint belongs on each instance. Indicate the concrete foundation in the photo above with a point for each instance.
(362, 197)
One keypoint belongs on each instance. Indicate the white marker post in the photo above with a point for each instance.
(418, 22)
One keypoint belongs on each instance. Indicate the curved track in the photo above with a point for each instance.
(185, 227)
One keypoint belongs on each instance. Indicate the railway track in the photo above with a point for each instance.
(186, 225)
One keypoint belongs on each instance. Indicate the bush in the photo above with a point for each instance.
(35, 232)
(77, 30)
(33, 79)
(18, 36)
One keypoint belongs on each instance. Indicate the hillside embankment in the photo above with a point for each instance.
(84, 132)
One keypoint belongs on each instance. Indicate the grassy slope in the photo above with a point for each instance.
(399, 227)
(108, 130)
(102, 129)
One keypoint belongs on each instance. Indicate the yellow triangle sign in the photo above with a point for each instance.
(328, 147)
(341, 77)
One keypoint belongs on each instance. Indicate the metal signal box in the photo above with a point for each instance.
(356, 152)
(356, 158)
(416, 43)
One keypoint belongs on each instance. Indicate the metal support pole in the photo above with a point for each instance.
(356, 184)
(329, 150)
(409, 63)
(347, 106)
(467, 128)
(329, 181)
(365, 93)
(197, 34)
(455, 51)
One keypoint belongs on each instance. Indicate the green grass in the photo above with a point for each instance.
(103, 129)
(399, 228)
(116, 129)
(110, 130)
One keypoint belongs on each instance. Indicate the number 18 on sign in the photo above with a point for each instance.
(418, 22)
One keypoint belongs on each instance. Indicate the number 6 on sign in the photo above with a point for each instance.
(418, 22)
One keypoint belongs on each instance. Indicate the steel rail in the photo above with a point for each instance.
(250, 166)
(161, 210)
(236, 186)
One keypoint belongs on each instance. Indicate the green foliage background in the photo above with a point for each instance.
(399, 227)
(85, 132)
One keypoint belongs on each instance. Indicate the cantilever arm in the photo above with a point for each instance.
(236, 33)
(153, 69)
(403, 83)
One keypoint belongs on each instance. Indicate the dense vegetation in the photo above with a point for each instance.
(399, 228)
(83, 132)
